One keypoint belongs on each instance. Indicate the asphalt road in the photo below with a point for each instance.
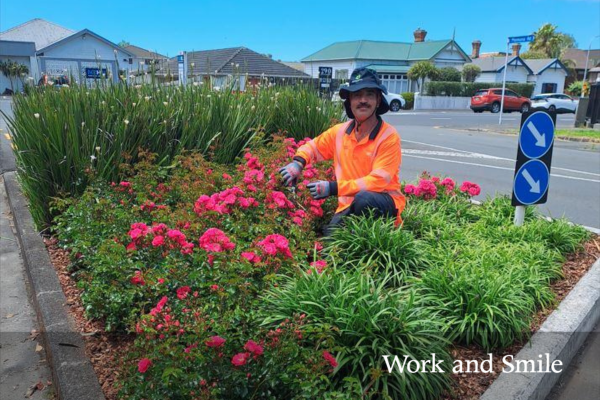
(459, 149)
(470, 120)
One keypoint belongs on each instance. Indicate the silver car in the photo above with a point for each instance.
(561, 103)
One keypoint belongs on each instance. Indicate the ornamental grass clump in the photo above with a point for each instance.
(377, 246)
(362, 321)
(478, 305)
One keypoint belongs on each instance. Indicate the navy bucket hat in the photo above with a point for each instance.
(364, 78)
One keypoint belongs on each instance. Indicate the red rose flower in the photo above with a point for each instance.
(240, 359)
(143, 365)
(215, 341)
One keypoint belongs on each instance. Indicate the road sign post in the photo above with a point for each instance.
(534, 158)
(325, 79)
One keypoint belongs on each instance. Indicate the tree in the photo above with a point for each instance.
(470, 72)
(548, 41)
(124, 43)
(448, 74)
(13, 69)
(533, 54)
(421, 70)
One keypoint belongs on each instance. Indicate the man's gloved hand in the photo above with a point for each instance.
(291, 173)
(319, 190)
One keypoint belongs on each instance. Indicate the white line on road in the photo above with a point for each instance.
(480, 155)
(450, 154)
(496, 167)
(441, 118)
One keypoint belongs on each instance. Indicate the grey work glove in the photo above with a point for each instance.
(291, 173)
(319, 190)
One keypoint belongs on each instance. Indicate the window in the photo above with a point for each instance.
(549, 87)
(341, 74)
(511, 93)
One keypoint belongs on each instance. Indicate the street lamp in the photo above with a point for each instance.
(587, 58)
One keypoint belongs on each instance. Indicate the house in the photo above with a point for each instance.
(548, 74)
(391, 60)
(577, 58)
(222, 66)
(144, 59)
(83, 55)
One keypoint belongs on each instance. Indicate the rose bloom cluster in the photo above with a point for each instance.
(430, 187)
(158, 236)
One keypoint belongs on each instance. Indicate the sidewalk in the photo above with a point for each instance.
(24, 370)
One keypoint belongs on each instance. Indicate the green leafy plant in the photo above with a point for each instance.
(363, 321)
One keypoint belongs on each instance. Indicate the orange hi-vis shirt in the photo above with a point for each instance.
(373, 164)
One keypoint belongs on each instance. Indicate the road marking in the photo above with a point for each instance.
(441, 118)
(450, 154)
(496, 167)
(480, 155)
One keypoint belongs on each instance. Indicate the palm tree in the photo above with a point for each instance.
(548, 41)
(421, 70)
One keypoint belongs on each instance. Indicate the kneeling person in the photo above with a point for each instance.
(365, 151)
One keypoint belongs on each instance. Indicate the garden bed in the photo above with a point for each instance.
(213, 280)
(104, 348)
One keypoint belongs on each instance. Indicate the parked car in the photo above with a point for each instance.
(395, 100)
(561, 103)
(490, 99)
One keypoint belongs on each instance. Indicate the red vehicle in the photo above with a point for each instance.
(490, 99)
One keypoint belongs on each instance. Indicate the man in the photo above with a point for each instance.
(365, 151)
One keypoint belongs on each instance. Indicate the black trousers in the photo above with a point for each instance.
(382, 205)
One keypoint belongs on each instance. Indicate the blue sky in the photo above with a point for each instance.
(293, 30)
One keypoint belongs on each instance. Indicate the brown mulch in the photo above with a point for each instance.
(106, 351)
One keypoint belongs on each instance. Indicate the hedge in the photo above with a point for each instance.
(468, 89)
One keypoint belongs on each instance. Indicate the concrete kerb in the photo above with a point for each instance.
(72, 372)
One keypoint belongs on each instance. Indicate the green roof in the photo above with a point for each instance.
(392, 69)
(375, 50)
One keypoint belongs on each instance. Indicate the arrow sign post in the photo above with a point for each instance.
(534, 157)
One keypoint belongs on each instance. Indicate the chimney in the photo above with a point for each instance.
(516, 49)
(476, 47)
(419, 35)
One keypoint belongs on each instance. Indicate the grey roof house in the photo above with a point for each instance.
(221, 65)
(547, 74)
(83, 54)
(391, 60)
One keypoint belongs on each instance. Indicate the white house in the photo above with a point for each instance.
(83, 55)
(391, 60)
(548, 74)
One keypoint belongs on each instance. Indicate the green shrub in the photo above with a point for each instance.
(410, 100)
(448, 74)
(363, 321)
(377, 246)
(468, 89)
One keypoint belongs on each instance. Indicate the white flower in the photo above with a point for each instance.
(166, 103)
(97, 148)
(165, 121)
(82, 124)
(253, 107)
(133, 104)
(7, 136)
(92, 157)
(36, 115)
(103, 102)
(126, 122)
(147, 98)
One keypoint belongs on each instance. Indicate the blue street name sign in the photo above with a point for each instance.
(531, 182)
(534, 158)
(520, 39)
(180, 59)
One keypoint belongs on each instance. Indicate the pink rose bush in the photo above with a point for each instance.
(431, 187)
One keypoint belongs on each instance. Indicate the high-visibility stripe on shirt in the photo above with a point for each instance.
(373, 164)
